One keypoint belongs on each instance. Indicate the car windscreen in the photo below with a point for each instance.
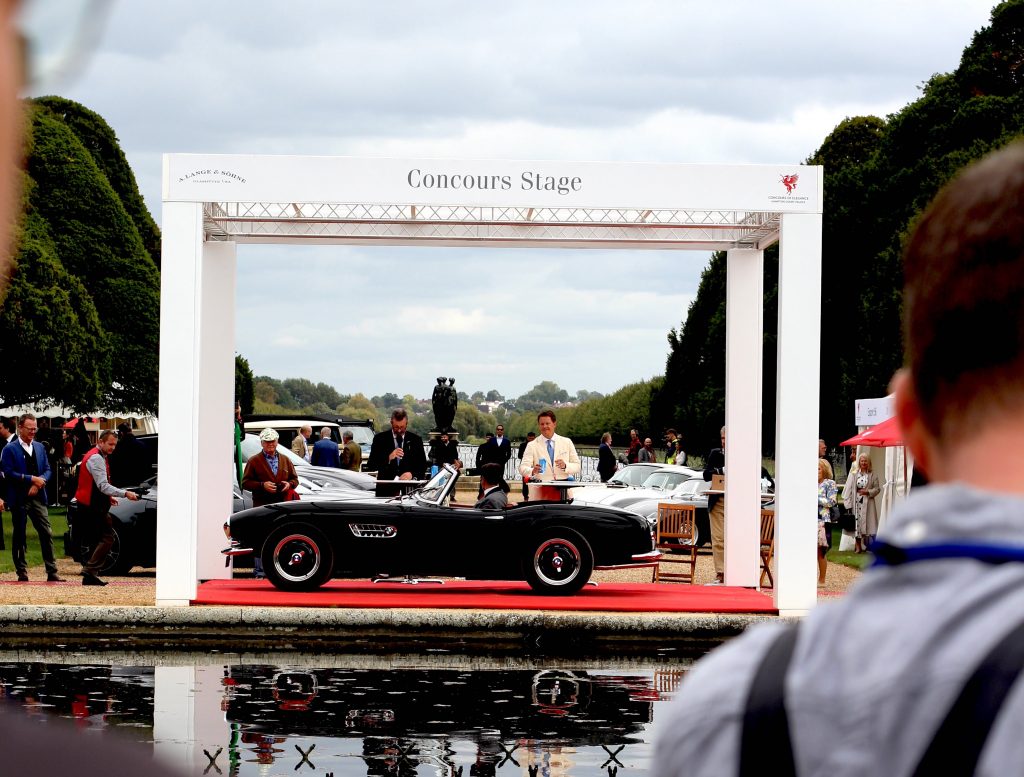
(693, 487)
(434, 489)
(666, 481)
(633, 475)
(361, 435)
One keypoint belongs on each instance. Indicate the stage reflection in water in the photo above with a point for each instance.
(382, 717)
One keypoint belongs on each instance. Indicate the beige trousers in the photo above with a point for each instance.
(717, 516)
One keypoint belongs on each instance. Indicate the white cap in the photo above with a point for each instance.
(268, 435)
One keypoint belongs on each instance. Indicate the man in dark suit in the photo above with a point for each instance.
(498, 449)
(325, 451)
(605, 458)
(494, 486)
(26, 472)
(445, 451)
(397, 454)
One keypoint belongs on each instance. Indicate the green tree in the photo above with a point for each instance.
(271, 391)
(244, 385)
(387, 401)
(50, 334)
(101, 142)
(96, 241)
(359, 407)
(879, 175)
(544, 393)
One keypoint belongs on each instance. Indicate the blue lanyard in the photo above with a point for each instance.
(887, 555)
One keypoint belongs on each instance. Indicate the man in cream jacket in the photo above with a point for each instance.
(558, 454)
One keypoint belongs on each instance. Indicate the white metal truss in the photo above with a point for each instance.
(265, 222)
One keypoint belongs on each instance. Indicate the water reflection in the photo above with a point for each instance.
(364, 715)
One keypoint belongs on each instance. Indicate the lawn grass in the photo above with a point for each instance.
(846, 558)
(59, 524)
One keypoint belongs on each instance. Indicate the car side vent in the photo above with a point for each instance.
(381, 531)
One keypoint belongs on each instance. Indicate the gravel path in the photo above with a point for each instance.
(139, 588)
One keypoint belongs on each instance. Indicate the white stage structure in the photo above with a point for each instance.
(212, 203)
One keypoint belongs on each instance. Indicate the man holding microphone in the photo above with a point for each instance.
(397, 453)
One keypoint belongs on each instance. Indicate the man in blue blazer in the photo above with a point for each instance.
(325, 452)
(26, 469)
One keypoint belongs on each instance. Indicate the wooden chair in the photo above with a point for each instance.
(676, 538)
(767, 546)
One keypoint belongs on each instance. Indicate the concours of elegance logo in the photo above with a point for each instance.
(211, 176)
(789, 181)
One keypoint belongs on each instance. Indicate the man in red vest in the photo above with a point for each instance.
(95, 495)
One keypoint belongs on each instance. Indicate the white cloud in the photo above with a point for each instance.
(732, 82)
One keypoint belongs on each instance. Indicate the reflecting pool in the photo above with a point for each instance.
(286, 713)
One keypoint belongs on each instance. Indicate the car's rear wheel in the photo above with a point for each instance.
(297, 557)
(558, 562)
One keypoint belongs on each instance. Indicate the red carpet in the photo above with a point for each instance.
(492, 595)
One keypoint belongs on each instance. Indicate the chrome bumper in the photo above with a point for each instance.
(649, 559)
(235, 551)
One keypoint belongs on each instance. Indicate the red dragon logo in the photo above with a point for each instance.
(789, 181)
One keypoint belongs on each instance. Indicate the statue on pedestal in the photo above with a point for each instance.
(444, 401)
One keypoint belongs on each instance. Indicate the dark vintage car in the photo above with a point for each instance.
(134, 525)
(554, 547)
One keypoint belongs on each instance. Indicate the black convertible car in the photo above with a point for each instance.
(553, 546)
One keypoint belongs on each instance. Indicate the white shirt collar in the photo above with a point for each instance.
(27, 447)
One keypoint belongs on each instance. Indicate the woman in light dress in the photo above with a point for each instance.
(864, 507)
(827, 493)
(850, 541)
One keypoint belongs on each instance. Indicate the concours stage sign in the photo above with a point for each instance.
(496, 183)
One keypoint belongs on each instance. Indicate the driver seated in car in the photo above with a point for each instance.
(494, 487)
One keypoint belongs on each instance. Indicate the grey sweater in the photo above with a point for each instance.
(874, 674)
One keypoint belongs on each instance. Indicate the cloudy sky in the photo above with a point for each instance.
(709, 82)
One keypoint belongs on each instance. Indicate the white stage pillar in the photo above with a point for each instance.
(796, 436)
(197, 292)
(181, 260)
(744, 335)
(216, 407)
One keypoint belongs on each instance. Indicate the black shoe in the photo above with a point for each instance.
(55, 578)
(22, 577)
(92, 580)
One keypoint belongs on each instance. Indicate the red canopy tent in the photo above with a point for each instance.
(883, 435)
(74, 422)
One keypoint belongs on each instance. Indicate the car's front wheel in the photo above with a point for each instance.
(297, 557)
(558, 562)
